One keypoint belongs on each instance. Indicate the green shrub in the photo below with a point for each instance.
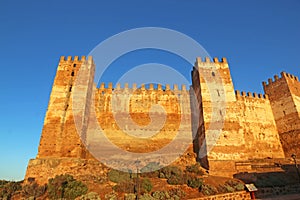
(229, 188)
(175, 197)
(175, 180)
(90, 196)
(146, 185)
(196, 169)
(34, 190)
(154, 174)
(239, 187)
(65, 186)
(195, 182)
(9, 188)
(225, 188)
(207, 189)
(117, 176)
(130, 196)
(161, 175)
(169, 171)
(161, 195)
(111, 196)
(146, 197)
(75, 189)
(173, 174)
(126, 187)
(176, 192)
(235, 184)
(3, 183)
(151, 170)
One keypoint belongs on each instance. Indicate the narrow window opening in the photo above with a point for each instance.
(74, 65)
(283, 112)
(218, 92)
(72, 74)
(213, 74)
(70, 88)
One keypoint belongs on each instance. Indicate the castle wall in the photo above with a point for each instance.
(76, 107)
(226, 126)
(154, 115)
(284, 94)
(248, 129)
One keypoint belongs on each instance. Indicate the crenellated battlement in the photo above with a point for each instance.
(284, 74)
(277, 78)
(250, 95)
(149, 87)
(75, 58)
(208, 60)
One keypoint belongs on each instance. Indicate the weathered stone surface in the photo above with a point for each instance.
(42, 169)
(248, 129)
(284, 94)
(234, 196)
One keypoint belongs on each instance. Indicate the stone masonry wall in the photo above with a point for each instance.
(75, 98)
(247, 123)
(156, 116)
(284, 94)
(249, 130)
(42, 169)
(235, 195)
(142, 111)
(59, 136)
(61, 149)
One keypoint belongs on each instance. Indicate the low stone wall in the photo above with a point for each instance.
(42, 169)
(274, 191)
(232, 196)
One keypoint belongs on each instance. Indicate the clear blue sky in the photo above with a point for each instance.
(260, 38)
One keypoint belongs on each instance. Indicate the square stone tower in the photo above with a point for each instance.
(61, 150)
(284, 95)
(59, 135)
(233, 126)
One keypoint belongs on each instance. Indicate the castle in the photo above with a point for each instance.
(226, 126)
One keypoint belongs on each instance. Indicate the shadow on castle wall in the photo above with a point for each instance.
(281, 182)
(197, 121)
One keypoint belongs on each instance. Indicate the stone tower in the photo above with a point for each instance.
(284, 95)
(233, 126)
(61, 149)
(59, 135)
